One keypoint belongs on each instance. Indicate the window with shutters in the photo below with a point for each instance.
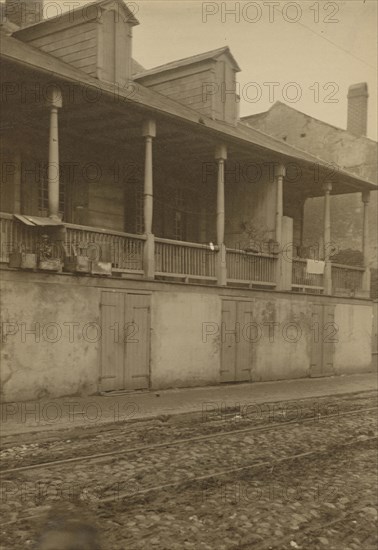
(179, 216)
(43, 196)
(139, 209)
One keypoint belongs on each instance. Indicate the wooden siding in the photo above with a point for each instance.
(187, 86)
(10, 181)
(226, 105)
(100, 49)
(114, 49)
(75, 45)
(106, 206)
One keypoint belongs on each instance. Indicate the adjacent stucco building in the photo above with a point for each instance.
(349, 149)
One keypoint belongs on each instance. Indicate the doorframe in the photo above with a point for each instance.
(149, 330)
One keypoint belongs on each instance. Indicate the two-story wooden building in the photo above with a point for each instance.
(148, 237)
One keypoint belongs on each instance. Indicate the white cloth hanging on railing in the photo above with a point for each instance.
(315, 267)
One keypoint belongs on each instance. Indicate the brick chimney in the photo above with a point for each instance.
(24, 13)
(357, 109)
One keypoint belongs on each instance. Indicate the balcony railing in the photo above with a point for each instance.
(306, 282)
(124, 251)
(16, 236)
(250, 268)
(346, 278)
(185, 260)
(175, 259)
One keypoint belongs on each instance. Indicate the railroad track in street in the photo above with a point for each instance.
(178, 442)
(183, 466)
(122, 498)
(221, 473)
(8, 440)
(87, 442)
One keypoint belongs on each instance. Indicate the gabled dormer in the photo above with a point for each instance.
(96, 38)
(204, 82)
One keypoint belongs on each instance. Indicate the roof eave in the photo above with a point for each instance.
(69, 17)
(180, 112)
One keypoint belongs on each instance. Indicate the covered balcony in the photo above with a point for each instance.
(109, 182)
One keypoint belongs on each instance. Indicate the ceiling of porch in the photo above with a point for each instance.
(96, 119)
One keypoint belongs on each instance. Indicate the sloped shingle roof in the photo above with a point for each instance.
(212, 54)
(24, 54)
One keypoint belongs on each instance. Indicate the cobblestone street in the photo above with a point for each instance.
(287, 475)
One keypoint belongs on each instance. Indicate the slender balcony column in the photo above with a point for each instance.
(220, 157)
(279, 173)
(327, 188)
(149, 132)
(283, 265)
(55, 102)
(365, 242)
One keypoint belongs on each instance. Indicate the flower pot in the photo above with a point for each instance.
(23, 260)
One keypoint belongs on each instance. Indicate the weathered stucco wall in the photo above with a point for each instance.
(42, 353)
(51, 347)
(285, 352)
(250, 199)
(355, 337)
(180, 356)
(342, 149)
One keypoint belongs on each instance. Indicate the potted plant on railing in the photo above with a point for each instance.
(75, 260)
(100, 256)
(258, 238)
(48, 256)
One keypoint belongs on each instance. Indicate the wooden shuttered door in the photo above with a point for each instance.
(125, 342)
(237, 350)
(323, 338)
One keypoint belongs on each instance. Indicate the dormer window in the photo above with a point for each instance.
(114, 52)
(204, 82)
(98, 42)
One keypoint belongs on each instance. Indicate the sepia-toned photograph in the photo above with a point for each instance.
(188, 275)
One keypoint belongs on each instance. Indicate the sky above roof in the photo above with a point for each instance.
(304, 53)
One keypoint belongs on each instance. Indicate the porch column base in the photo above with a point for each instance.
(221, 266)
(149, 256)
(284, 274)
(327, 281)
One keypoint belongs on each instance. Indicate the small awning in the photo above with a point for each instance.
(38, 221)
